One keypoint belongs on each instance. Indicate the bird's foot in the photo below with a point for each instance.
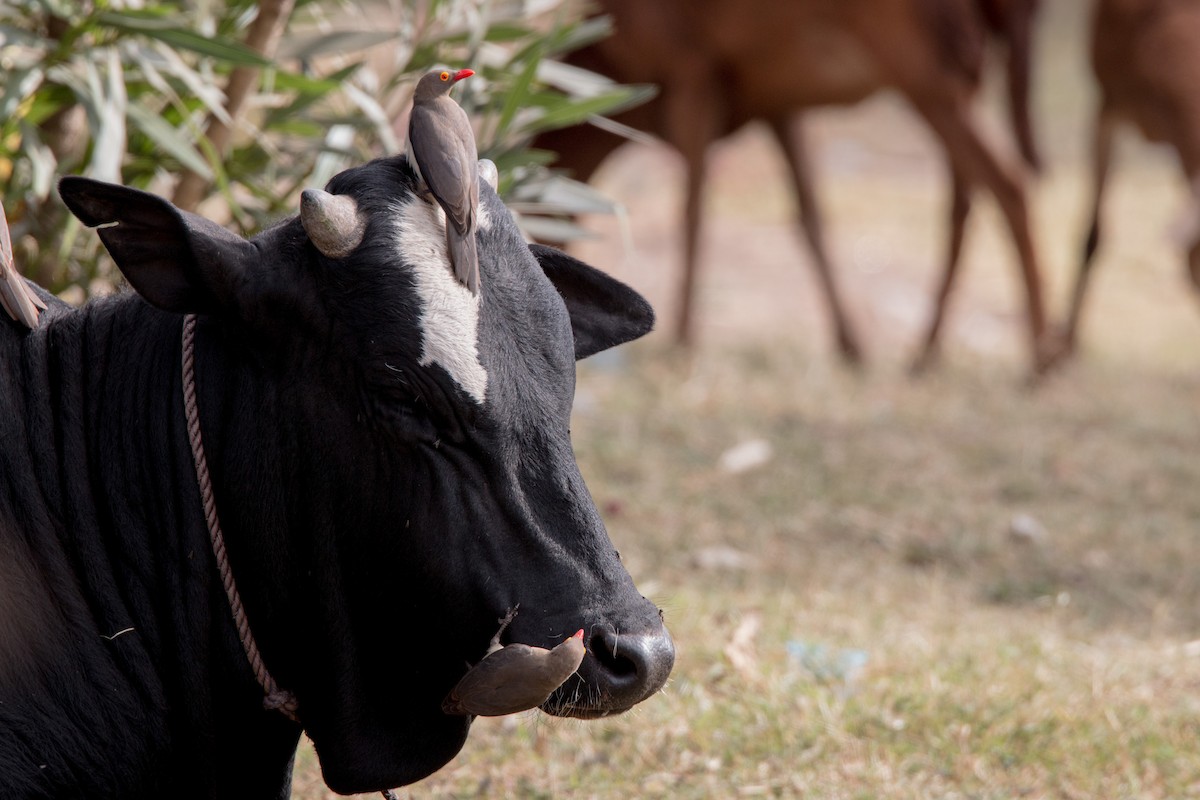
(507, 618)
(504, 622)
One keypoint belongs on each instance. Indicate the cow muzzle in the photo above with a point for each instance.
(620, 670)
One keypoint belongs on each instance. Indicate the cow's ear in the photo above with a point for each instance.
(176, 260)
(604, 311)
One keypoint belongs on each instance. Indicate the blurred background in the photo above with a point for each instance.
(959, 585)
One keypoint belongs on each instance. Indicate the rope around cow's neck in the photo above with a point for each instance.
(276, 698)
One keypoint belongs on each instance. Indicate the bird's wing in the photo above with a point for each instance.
(15, 295)
(450, 167)
(506, 682)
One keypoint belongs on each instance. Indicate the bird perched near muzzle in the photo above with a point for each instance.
(441, 147)
(515, 677)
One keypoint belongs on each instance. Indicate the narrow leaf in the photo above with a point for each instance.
(506, 32)
(316, 87)
(375, 113)
(211, 96)
(516, 95)
(18, 85)
(568, 196)
(553, 229)
(583, 33)
(169, 139)
(310, 45)
(164, 30)
(107, 102)
(579, 111)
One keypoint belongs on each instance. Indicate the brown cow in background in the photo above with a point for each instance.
(723, 63)
(1146, 58)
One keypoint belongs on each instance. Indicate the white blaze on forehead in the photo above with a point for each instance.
(449, 311)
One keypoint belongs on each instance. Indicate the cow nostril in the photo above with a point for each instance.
(629, 667)
(606, 648)
(619, 671)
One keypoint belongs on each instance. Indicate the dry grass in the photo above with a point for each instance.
(953, 587)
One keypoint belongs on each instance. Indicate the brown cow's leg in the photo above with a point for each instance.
(692, 125)
(1192, 234)
(1193, 257)
(789, 132)
(960, 207)
(1019, 31)
(1188, 229)
(976, 163)
(695, 163)
(1101, 159)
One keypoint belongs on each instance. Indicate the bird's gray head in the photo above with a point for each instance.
(437, 83)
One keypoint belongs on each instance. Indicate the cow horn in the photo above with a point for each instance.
(332, 222)
(488, 171)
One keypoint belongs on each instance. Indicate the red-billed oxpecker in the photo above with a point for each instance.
(441, 147)
(515, 677)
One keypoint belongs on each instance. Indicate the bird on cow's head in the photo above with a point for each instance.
(442, 148)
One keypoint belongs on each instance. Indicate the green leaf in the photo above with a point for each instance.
(575, 112)
(106, 100)
(11, 36)
(197, 84)
(506, 32)
(310, 45)
(509, 160)
(583, 33)
(293, 81)
(553, 229)
(171, 140)
(164, 30)
(301, 128)
(371, 109)
(59, 8)
(562, 195)
(41, 161)
(18, 85)
(516, 96)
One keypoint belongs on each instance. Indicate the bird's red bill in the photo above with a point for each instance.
(463, 73)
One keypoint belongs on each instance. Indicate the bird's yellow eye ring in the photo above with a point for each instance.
(445, 76)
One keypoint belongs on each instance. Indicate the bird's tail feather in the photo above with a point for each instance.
(19, 300)
(463, 257)
(16, 297)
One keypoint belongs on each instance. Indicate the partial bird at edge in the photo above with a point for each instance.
(17, 298)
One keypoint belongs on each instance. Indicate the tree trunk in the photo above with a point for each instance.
(263, 37)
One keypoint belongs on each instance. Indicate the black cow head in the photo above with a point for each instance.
(391, 455)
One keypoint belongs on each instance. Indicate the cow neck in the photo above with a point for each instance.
(276, 698)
